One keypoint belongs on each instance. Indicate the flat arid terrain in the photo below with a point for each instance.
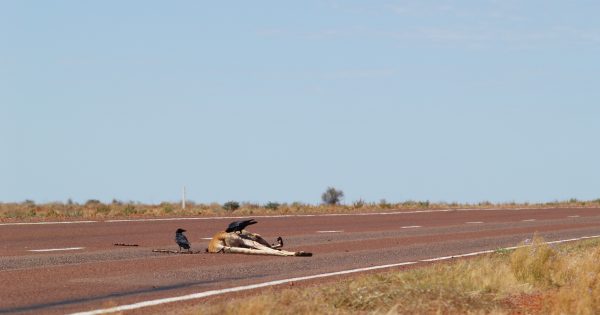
(74, 266)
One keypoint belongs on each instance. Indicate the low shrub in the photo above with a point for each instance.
(272, 205)
(231, 205)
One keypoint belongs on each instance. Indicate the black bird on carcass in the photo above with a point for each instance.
(238, 226)
(181, 240)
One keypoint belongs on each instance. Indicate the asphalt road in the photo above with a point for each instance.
(74, 267)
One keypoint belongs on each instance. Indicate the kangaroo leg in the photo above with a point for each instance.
(279, 243)
(267, 249)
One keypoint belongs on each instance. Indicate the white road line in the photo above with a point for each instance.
(206, 238)
(235, 289)
(278, 216)
(44, 223)
(237, 217)
(330, 231)
(474, 222)
(55, 249)
(528, 220)
(437, 258)
(410, 227)
(282, 216)
(573, 216)
(278, 282)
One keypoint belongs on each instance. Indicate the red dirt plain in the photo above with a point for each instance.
(103, 275)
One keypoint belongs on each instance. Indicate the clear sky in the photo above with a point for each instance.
(276, 100)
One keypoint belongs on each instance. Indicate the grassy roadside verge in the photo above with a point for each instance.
(537, 279)
(94, 209)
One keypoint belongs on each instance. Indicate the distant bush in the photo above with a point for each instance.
(358, 203)
(250, 205)
(129, 209)
(297, 205)
(104, 210)
(231, 205)
(272, 205)
(167, 207)
(383, 204)
(91, 202)
(332, 196)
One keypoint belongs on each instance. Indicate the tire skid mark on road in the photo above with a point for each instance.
(204, 294)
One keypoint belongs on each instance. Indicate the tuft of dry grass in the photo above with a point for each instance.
(580, 292)
(564, 278)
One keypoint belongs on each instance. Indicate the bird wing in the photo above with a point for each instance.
(232, 226)
(239, 225)
(246, 223)
(182, 240)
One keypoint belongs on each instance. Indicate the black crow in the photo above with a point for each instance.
(238, 226)
(181, 240)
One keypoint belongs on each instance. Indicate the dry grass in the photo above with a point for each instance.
(563, 279)
(29, 210)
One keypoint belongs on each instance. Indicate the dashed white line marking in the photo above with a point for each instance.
(573, 216)
(330, 231)
(410, 227)
(55, 249)
(474, 222)
(206, 238)
(278, 282)
(528, 220)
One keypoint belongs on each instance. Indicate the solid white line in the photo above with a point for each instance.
(235, 289)
(278, 282)
(528, 220)
(44, 223)
(330, 231)
(410, 227)
(55, 249)
(474, 222)
(237, 217)
(437, 258)
(281, 216)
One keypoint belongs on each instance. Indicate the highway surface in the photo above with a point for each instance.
(72, 267)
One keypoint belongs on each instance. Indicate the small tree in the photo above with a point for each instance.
(272, 205)
(332, 196)
(231, 205)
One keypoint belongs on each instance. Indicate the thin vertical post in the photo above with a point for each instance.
(183, 199)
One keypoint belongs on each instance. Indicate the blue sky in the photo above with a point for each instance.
(275, 101)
